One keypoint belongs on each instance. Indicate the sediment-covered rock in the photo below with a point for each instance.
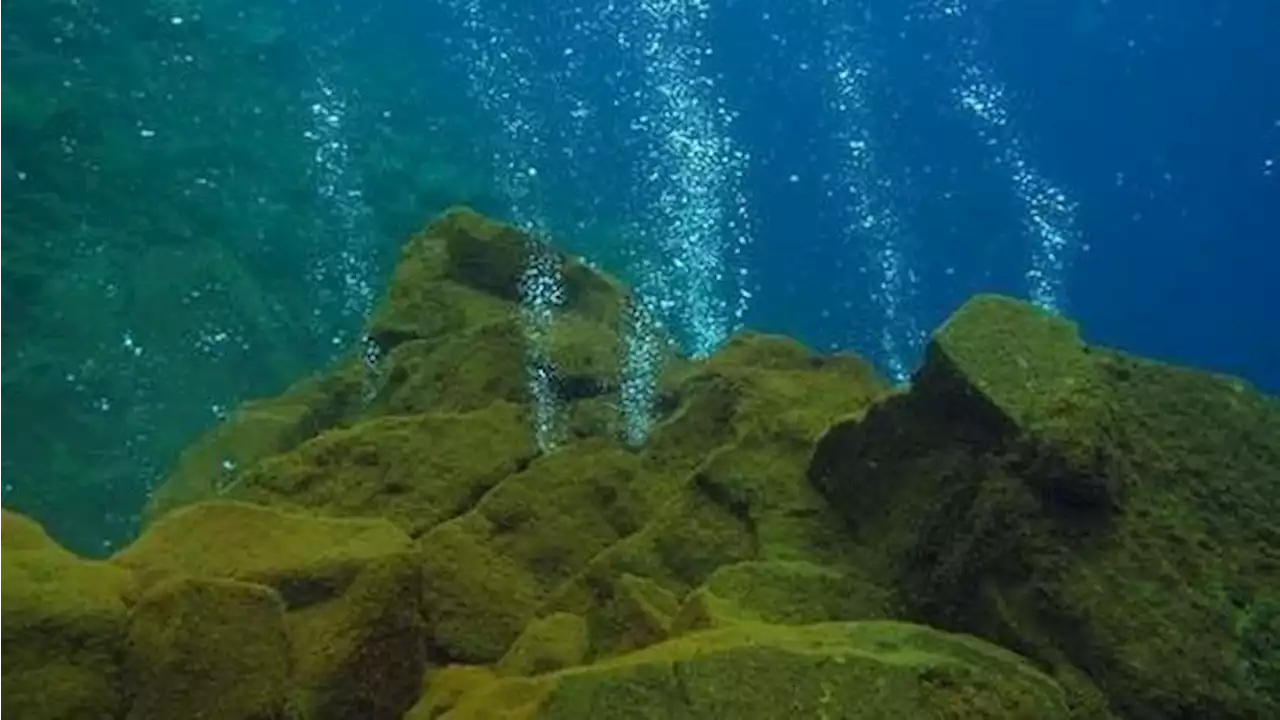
(765, 672)
(1095, 511)
(349, 589)
(388, 539)
(64, 625)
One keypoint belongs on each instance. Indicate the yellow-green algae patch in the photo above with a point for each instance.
(756, 671)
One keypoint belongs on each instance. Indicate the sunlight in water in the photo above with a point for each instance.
(869, 218)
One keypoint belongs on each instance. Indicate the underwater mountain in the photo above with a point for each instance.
(639, 358)
(1035, 527)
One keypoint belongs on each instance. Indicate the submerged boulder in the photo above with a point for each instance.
(348, 588)
(64, 627)
(216, 645)
(782, 592)
(388, 538)
(765, 672)
(735, 449)
(1109, 516)
(415, 470)
(605, 532)
(448, 337)
(257, 430)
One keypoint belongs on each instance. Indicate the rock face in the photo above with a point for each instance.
(64, 623)
(348, 590)
(764, 672)
(451, 345)
(1111, 517)
(388, 541)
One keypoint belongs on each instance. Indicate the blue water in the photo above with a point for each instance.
(1158, 118)
(1157, 122)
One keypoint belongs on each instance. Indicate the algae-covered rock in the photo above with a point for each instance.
(443, 688)
(63, 628)
(782, 593)
(465, 270)
(476, 366)
(416, 471)
(350, 588)
(630, 591)
(456, 335)
(257, 430)
(755, 671)
(448, 337)
(634, 612)
(240, 541)
(751, 417)
(582, 531)
(1108, 516)
(554, 642)
(19, 532)
(487, 572)
(738, 445)
(444, 374)
(218, 646)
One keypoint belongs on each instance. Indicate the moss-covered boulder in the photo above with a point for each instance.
(456, 335)
(256, 430)
(64, 627)
(1109, 516)
(549, 643)
(765, 672)
(476, 366)
(216, 645)
(465, 270)
(738, 443)
(350, 589)
(584, 528)
(630, 591)
(443, 687)
(448, 337)
(415, 470)
(486, 573)
(782, 592)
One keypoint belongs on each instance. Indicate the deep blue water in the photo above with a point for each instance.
(1159, 122)
(1158, 118)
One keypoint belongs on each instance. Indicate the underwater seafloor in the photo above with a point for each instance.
(1035, 528)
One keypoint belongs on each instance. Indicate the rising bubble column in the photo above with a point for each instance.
(1048, 214)
(345, 264)
(501, 77)
(872, 227)
(693, 224)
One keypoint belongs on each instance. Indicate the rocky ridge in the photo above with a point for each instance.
(1035, 528)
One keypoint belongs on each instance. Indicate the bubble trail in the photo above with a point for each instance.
(691, 174)
(692, 224)
(642, 363)
(1048, 214)
(870, 219)
(348, 265)
(499, 73)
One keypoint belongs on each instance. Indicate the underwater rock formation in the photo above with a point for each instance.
(1035, 528)
(1100, 513)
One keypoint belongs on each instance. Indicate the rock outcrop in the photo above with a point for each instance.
(1035, 528)
(1108, 516)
